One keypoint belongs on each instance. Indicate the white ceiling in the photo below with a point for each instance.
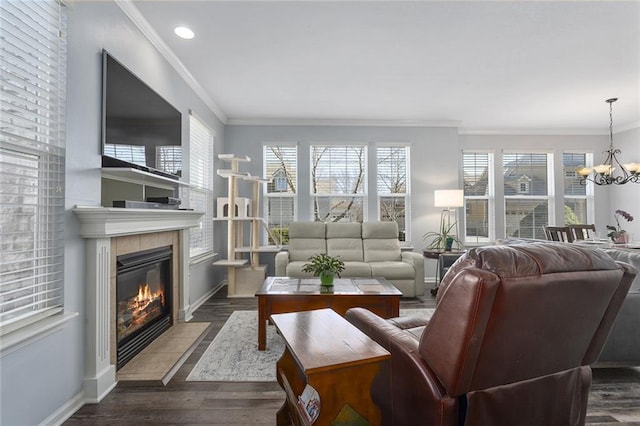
(487, 65)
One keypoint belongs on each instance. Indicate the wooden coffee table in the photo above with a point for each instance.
(281, 295)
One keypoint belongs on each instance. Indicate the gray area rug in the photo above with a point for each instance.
(233, 355)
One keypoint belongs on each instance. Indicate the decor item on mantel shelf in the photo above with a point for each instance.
(604, 173)
(448, 232)
(617, 234)
(324, 266)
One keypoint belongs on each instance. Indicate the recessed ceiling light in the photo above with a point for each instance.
(184, 32)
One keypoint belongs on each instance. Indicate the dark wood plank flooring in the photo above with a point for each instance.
(614, 397)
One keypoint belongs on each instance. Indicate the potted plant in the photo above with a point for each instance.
(444, 239)
(616, 233)
(324, 266)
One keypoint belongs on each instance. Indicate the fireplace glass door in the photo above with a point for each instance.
(143, 294)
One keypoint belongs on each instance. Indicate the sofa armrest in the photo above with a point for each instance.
(281, 262)
(417, 261)
(405, 389)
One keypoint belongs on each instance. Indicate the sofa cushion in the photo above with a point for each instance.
(356, 269)
(347, 249)
(306, 239)
(380, 230)
(392, 270)
(344, 230)
(380, 250)
(294, 269)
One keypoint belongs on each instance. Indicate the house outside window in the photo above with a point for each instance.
(479, 211)
(280, 195)
(392, 184)
(578, 198)
(32, 162)
(201, 198)
(526, 213)
(338, 183)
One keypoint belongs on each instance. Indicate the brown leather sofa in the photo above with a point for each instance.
(511, 340)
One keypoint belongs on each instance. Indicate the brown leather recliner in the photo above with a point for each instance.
(510, 342)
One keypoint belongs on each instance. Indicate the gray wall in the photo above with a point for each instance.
(626, 197)
(43, 380)
(434, 160)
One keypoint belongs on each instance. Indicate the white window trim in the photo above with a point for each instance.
(490, 197)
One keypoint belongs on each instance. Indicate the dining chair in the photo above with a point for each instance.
(559, 233)
(583, 231)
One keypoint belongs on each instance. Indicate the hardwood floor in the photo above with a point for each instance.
(614, 396)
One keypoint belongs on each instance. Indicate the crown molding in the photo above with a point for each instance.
(533, 131)
(143, 25)
(548, 131)
(339, 122)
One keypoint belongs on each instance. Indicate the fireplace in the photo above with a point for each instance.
(143, 300)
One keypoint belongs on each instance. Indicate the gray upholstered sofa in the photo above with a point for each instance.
(370, 249)
(623, 344)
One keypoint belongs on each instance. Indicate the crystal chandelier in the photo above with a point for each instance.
(604, 173)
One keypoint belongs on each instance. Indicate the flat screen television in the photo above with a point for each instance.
(140, 129)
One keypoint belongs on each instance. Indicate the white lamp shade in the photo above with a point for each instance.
(448, 198)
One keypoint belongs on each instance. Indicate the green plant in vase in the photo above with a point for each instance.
(444, 238)
(324, 266)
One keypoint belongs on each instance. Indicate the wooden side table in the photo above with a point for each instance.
(436, 254)
(327, 352)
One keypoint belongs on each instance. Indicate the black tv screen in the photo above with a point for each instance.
(140, 129)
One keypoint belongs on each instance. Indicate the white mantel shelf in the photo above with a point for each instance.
(106, 222)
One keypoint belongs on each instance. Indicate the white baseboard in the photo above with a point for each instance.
(195, 305)
(63, 413)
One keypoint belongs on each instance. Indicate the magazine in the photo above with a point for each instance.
(310, 402)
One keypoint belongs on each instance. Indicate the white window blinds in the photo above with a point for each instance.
(32, 150)
(392, 164)
(201, 179)
(338, 182)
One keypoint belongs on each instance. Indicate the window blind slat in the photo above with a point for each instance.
(32, 160)
(201, 178)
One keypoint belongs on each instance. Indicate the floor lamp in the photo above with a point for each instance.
(449, 199)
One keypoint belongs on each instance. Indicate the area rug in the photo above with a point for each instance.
(233, 355)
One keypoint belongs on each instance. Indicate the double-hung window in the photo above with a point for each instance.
(392, 179)
(578, 198)
(32, 154)
(338, 183)
(281, 167)
(478, 181)
(527, 178)
(201, 191)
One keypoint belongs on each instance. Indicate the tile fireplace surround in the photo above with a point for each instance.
(109, 233)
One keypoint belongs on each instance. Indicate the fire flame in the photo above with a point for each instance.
(146, 296)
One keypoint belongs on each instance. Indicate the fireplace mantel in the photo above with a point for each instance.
(106, 222)
(101, 226)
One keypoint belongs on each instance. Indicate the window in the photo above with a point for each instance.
(280, 165)
(526, 212)
(32, 154)
(477, 170)
(338, 182)
(393, 185)
(201, 180)
(578, 198)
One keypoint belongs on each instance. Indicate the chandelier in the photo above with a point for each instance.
(605, 173)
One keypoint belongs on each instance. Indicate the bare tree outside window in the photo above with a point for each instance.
(338, 182)
(392, 185)
(281, 166)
